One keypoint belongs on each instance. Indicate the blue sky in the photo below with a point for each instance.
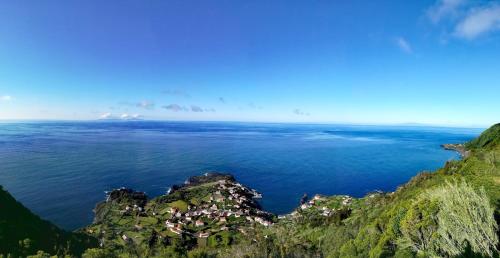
(369, 62)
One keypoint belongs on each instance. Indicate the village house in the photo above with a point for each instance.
(260, 220)
(199, 223)
(305, 206)
(346, 200)
(203, 234)
(177, 231)
(265, 223)
(317, 197)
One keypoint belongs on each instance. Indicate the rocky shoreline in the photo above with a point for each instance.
(204, 211)
(213, 205)
(460, 148)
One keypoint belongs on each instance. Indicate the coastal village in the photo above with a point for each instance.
(230, 204)
(206, 210)
(204, 206)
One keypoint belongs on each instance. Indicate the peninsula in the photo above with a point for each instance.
(451, 212)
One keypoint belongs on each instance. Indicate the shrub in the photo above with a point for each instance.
(449, 220)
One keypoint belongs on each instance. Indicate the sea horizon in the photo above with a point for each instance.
(409, 124)
(81, 160)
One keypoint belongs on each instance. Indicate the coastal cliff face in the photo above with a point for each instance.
(452, 212)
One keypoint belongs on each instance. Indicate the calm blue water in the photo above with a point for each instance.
(60, 170)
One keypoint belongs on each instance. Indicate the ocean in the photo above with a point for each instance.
(60, 170)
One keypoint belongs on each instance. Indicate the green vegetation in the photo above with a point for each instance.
(430, 216)
(210, 213)
(23, 233)
(447, 220)
(452, 212)
(489, 139)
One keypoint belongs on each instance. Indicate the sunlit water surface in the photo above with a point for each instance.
(60, 170)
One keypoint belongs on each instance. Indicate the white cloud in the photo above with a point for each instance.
(404, 45)
(466, 19)
(479, 21)
(6, 98)
(444, 9)
(106, 116)
(126, 116)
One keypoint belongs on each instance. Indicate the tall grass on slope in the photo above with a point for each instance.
(449, 221)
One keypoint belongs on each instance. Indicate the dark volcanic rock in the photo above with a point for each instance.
(128, 194)
(460, 148)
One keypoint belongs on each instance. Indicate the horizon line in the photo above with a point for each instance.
(405, 124)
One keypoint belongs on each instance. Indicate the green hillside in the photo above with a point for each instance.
(451, 212)
(23, 233)
(488, 139)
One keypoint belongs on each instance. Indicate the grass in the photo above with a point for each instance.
(179, 204)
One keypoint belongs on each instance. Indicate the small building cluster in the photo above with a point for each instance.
(229, 206)
(346, 200)
(319, 205)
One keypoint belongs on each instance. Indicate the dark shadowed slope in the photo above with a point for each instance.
(23, 233)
